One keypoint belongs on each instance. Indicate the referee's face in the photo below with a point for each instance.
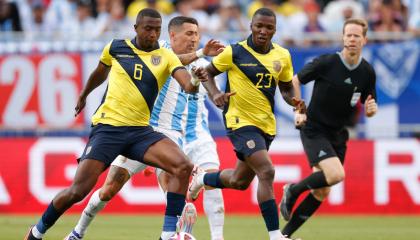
(263, 29)
(353, 38)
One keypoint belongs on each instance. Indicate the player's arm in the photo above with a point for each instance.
(218, 97)
(185, 80)
(97, 77)
(211, 49)
(371, 107)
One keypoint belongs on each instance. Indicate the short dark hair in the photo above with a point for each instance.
(179, 20)
(358, 21)
(147, 12)
(264, 12)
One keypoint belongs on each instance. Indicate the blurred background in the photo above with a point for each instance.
(48, 48)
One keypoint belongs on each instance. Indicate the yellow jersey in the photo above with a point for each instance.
(135, 79)
(254, 78)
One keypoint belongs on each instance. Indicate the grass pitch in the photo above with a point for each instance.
(237, 227)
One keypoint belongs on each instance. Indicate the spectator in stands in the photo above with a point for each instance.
(292, 7)
(84, 24)
(165, 7)
(389, 20)
(38, 23)
(337, 12)
(228, 18)
(59, 12)
(189, 8)
(9, 17)
(257, 4)
(117, 21)
(313, 23)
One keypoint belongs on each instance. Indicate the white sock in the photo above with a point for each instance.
(166, 235)
(214, 208)
(37, 233)
(92, 208)
(275, 235)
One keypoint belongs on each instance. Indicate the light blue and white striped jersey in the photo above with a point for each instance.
(170, 103)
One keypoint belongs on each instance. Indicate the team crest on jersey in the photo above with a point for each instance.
(277, 66)
(155, 60)
(250, 144)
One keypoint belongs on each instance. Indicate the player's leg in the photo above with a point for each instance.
(261, 164)
(120, 172)
(165, 154)
(85, 179)
(306, 208)
(203, 153)
(327, 154)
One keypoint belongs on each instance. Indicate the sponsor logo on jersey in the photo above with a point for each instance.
(248, 64)
(124, 56)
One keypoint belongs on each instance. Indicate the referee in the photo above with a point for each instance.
(342, 79)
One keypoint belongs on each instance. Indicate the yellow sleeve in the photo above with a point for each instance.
(224, 60)
(173, 61)
(286, 73)
(106, 57)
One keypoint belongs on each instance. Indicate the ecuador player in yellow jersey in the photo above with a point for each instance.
(255, 67)
(137, 69)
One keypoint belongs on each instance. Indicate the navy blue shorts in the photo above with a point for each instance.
(106, 142)
(248, 140)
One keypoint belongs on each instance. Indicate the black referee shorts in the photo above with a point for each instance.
(320, 144)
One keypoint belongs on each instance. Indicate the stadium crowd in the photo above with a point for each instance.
(299, 22)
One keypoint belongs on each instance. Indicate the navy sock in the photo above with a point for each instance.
(174, 204)
(314, 181)
(48, 219)
(270, 214)
(302, 213)
(213, 180)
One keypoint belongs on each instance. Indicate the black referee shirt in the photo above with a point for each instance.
(337, 89)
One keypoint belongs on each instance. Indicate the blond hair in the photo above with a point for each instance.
(358, 21)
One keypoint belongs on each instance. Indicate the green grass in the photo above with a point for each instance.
(237, 227)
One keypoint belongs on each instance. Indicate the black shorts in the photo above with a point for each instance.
(248, 140)
(320, 144)
(106, 142)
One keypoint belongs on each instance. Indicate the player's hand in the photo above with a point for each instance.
(213, 48)
(199, 73)
(300, 119)
(299, 105)
(148, 171)
(220, 99)
(81, 103)
(370, 106)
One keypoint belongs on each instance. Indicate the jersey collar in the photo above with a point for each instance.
(250, 43)
(348, 66)
(133, 41)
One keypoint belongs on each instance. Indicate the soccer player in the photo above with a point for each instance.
(137, 70)
(342, 79)
(254, 69)
(183, 118)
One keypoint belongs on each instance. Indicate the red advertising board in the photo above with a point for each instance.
(382, 176)
(40, 90)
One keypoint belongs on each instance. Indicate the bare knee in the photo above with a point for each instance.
(183, 169)
(335, 176)
(107, 193)
(266, 174)
(239, 184)
(76, 194)
(321, 193)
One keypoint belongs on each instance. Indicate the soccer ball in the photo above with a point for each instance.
(182, 236)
